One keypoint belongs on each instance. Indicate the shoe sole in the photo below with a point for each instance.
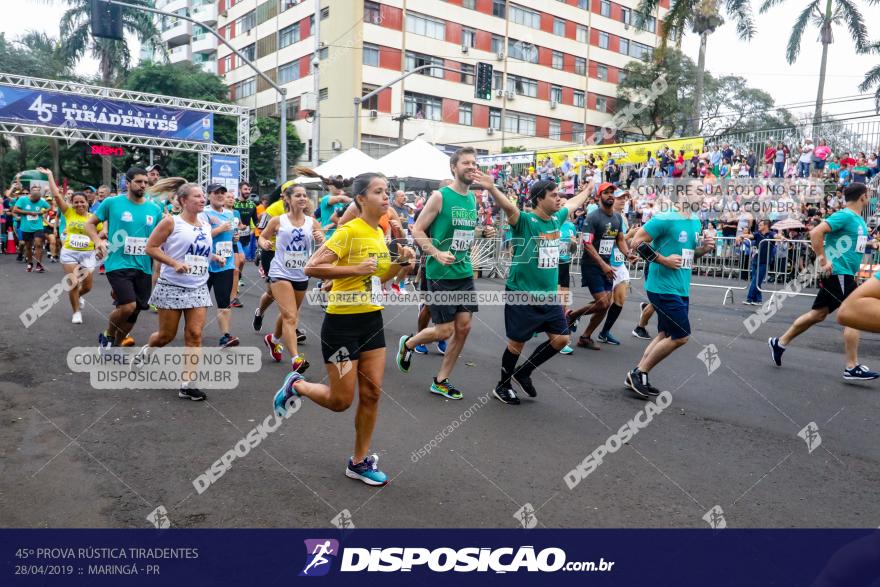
(401, 349)
(586, 346)
(499, 398)
(522, 388)
(420, 352)
(851, 378)
(182, 395)
(231, 343)
(352, 475)
(446, 395)
(268, 346)
(606, 341)
(640, 337)
(631, 386)
(773, 353)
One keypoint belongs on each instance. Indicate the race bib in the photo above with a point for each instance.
(462, 240)
(861, 243)
(548, 257)
(79, 241)
(618, 256)
(295, 259)
(135, 246)
(32, 217)
(244, 231)
(605, 246)
(687, 259)
(224, 249)
(198, 265)
(564, 248)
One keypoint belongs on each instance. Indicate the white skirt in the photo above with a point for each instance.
(175, 297)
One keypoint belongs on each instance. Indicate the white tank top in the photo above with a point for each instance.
(293, 247)
(191, 245)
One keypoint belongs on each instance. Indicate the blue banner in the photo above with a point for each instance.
(56, 109)
(168, 557)
(226, 170)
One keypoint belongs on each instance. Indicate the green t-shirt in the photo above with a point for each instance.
(672, 234)
(617, 257)
(535, 265)
(327, 210)
(129, 226)
(31, 222)
(845, 244)
(567, 231)
(453, 231)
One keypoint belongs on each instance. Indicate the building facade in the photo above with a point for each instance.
(556, 67)
(185, 41)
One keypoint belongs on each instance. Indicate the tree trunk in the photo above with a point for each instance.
(825, 38)
(56, 157)
(694, 125)
(106, 80)
(22, 153)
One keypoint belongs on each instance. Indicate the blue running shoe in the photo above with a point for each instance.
(607, 338)
(283, 395)
(776, 350)
(860, 373)
(566, 350)
(441, 347)
(104, 343)
(366, 471)
(421, 349)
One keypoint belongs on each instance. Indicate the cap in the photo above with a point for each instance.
(605, 186)
(154, 167)
(620, 193)
(216, 187)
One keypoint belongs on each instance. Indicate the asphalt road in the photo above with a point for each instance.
(74, 456)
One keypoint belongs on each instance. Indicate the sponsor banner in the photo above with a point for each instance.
(164, 556)
(623, 152)
(226, 170)
(521, 158)
(58, 109)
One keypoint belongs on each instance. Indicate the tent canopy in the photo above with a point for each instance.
(416, 159)
(348, 164)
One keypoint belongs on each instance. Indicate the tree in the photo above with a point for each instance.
(872, 78)
(703, 16)
(835, 12)
(731, 106)
(513, 149)
(265, 156)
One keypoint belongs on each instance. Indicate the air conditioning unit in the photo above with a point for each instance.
(336, 145)
(490, 131)
(553, 105)
(465, 48)
(499, 93)
(308, 101)
(510, 94)
(500, 56)
(374, 114)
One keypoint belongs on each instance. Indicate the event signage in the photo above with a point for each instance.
(622, 153)
(226, 170)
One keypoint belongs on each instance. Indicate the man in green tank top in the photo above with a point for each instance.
(450, 216)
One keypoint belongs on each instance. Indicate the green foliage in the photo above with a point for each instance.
(265, 154)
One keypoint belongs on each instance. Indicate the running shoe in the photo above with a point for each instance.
(395, 287)
(104, 343)
(286, 392)
(860, 373)
(102, 270)
(441, 347)
(227, 340)
(402, 286)
(299, 364)
(236, 303)
(566, 350)
(608, 338)
(20, 259)
(446, 389)
(366, 471)
(525, 384)
(258, 320)
(29, 268)
(52, 259)
(588, 343)
(505, 394)
(275, 348)
(138, 360)
(241, 283)
(421, 349)
(572, 322)
(776, 351)
(404, 355)
(40, 268)
(300, 335)
(77, 318)
(191, 393)
(128, 341)
(638, 383)
(640, 332)
(154, 309)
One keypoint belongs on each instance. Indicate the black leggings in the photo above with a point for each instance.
(221, 282)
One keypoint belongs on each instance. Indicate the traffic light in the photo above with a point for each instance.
(106, 20)
(483, 82)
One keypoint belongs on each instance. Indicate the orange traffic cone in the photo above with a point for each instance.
(10, 242)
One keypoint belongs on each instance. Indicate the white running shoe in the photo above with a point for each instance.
(77, 318)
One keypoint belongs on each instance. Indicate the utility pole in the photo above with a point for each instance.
(316, 72)
(400, 120)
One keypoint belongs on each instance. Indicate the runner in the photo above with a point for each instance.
(31, 209)
(352, 335)
(620, 286)
(238, 250)
(248, 212)
(295, 234)
(534, 272)
(129, 220)
(182, 244)
(332, 206)
(839, 243)
(603, 228)
(154, 174)
(451, 216)
(567, 241)
(221, 272)
(276, 208)
(673, 236)
(646, 310)
(78, 250)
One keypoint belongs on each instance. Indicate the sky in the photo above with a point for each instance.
(761, 61)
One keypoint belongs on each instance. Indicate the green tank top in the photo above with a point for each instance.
(453, 231)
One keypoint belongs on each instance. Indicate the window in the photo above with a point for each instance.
(601, 104)
(467, 73)
(640, 51)
(625, 15)
(581, 33)
(289, 35)
(556, 94)
(577, 133)
(427, 27)
(227, 63)
(621, 76)
(497, 44)
(371, 103)
(499, 9)
(522, 86)
(497, 78)
(422, 106)
(557, 60)
(414, 60)
(650, 23)
(495, 118)
(246, 22)
(584, 4)
(602, 72)
(288, 72)
(468, 37)
(579, 99)
(580, 66)
(555, 130)
(323, 94)
(472, 4)
(371, 55)
(558, 27)
(465, 114)
(266, 10)
(525, 17)
(523, 124)
(250, 51)
(372, 13)
(522, 51)
(246, 88)
(603, 40)
(285, 4)
(605, 8)
(624, 46)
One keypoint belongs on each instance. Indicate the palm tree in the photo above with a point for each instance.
(872, 78)
(703, 17)
(114, 56)
(835, 12)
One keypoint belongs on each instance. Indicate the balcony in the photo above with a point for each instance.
(172, 5)
(204, 44)
(179, 54)
(205, 13)
(179, 32)
(209, 66)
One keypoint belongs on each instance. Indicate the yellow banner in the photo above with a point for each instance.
(622, 153)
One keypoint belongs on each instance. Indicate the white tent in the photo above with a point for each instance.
(348, 164)
(416, 159)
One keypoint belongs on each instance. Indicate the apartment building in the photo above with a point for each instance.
(556, 66)
(185, 41)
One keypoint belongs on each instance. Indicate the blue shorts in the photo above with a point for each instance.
(593, 279)
(522, 321)
(672, 314)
